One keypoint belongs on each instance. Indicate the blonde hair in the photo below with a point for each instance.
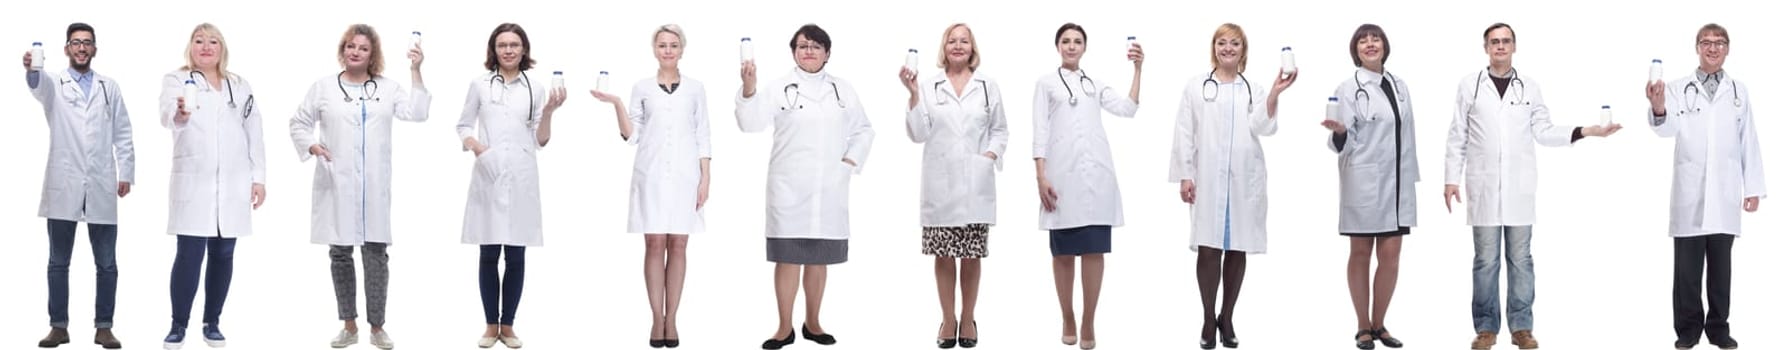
(377, 59)
(223, 49)
(944, 44)
(1231, 29)
(669, 28)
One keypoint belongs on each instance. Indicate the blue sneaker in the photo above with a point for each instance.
(213, 337)
(176, 336)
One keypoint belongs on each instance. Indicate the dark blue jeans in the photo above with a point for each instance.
(104, 239)
(510, 286)
(183, 285)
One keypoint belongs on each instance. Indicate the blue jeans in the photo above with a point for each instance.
(1512, 241)
(508, 289)
(104, 239)
(183, 284)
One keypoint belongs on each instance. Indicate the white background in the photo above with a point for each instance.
(1602, 254)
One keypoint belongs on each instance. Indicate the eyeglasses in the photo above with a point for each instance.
(1717, 44)
(809, 45)
(1500, 41)
(81, 42)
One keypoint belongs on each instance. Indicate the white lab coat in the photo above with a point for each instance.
(1718, 163)
(957, 178)
(1490, 148)
(1071, 139)
(1378, 162)
(351, 195)
(503, 202)
(818, 121)
(670, 139)
(1217, 145)
(90, 148)
(218, 157)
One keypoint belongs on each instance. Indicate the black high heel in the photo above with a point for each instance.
(1208, 335)
(672, 343)
(946, 343)
(1364, 344)
(968, 342)
(1227, 334)
(656, 343)
(1385, 337)
(775, 344)
(822, 338)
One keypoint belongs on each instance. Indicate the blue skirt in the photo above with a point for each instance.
(1096, 239)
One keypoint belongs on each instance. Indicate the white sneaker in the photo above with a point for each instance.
(344, 339)
(171, 346)
(487, 342)
(512, 342)
(382, 340)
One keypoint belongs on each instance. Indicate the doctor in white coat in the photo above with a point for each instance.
(345, 122)
(822, 137)
(506, 119)
(1499, 116)
(219, 176)
(91, 165)
(1718, 172)
(1373, 133)
(960, 117)
(667, 122)
(1077, 180)
(1222, 171)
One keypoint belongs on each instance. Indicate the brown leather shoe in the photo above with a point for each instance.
(1524, 340)
(1484, 341)
(103, 337)
(57, 337)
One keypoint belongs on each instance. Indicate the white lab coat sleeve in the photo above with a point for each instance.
(1040, 121)
(1540, 123)
(754, 114)
(172, 88)
(919, 120)
(468, 125)
(1182, 160)
(1262, 123)
(704, 150)
(43, 88)
(1666, 125)
(1456, 134)
(997, 132)
(1117, 103)
(1752, 162)
(1410, 123)
(536, 114)
(1345, 114)
(413, 105)
(257, 149)
(636, 113)
(304, 124)
(857, 147)
(124, 150)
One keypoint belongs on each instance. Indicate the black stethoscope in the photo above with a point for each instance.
(369, 90)
(1693, 96)
(1361, 97)
(497, 80)
(986, 103)
(1209, 89)
(229, 85)
(103, 90)
(1515, 82)
(1087, 86)
(792, 93)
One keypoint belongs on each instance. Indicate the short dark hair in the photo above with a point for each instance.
(813, 32)
(1715, 29)
(78, 27)
(1364, 31)
(491, 47)
(1067, 27)
(1494, 26)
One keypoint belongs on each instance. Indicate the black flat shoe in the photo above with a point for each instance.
(1364, 344)
(943, 343)
(672, 343)
(656, 343)
(775, 344)
(822, 338)
(968, 342)
(1384, 337)
(1227, 335)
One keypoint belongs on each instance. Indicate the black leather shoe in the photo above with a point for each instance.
(968, 342)
(775, 344)
(1227, 334)
(1364, 344)
(656, 343)
(822, 338)
(943, 343)
(1725, 343)
(1385, 337)
(672, 343)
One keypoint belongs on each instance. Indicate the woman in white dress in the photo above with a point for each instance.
(1076, 178)
(667, 120)
(507, 118)
(1222, 172)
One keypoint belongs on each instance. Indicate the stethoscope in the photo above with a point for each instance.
(986, 104)
(103, 90)
(369, 90)
(1515, 82)
(1087, 86)
(497, 81)
(230, 87)
(1697, 94)
(1361, 97)
(1209, 89)
(792, 93)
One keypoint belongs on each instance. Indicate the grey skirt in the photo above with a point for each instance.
(806, 251)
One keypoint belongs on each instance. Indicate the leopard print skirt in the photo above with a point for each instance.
(956, 242)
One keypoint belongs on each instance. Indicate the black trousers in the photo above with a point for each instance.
(1686, 291)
